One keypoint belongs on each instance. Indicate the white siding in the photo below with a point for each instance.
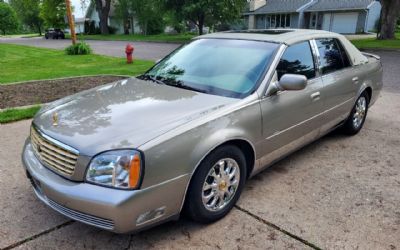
(374, 13)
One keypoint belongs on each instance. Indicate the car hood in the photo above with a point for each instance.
(123, 114)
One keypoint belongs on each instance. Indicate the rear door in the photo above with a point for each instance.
(339, 78)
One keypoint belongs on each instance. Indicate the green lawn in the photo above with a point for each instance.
(179, 38)
(12, 115)
(23, 63)
(372, 43)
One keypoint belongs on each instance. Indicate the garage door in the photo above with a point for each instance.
(345, 22)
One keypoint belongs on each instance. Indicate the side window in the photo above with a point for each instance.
(345, 57)
(297, 59)
(330, 57)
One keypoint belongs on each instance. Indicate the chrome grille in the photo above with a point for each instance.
(52, 154)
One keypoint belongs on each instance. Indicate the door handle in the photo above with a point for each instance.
(355, 79)
(315, 96)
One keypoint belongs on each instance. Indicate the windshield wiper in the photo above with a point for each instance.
(183, 86)
(149, 77)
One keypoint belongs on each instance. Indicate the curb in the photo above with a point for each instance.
(61, 78)
(23, 107)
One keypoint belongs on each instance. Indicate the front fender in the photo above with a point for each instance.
(180, 152)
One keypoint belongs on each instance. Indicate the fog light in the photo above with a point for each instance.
(150, 215)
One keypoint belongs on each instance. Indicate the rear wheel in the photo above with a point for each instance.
(216, 185)
(357, 117)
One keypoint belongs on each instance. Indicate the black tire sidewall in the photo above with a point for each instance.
(194, 204)
(349, 125)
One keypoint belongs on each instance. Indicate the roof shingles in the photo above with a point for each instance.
(281, 6)
(325, 5)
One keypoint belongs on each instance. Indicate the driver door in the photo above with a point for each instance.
(292, 118)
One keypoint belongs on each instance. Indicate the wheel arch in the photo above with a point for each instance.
(244, 145)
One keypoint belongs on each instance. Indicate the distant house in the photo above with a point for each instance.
(347, 17)
(121, 26)
(80, 25)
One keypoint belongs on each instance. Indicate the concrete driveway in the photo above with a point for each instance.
(143, 50)
(337, 193)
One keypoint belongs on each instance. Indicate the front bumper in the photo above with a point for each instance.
(111, 209)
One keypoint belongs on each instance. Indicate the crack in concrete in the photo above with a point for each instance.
(130, 242)
(30, 238)
(270, 224)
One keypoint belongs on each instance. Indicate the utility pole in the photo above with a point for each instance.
(70, 21)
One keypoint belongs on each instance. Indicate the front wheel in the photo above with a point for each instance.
(216, 185)
(357, 117)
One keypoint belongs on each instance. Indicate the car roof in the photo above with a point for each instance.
(283, 36)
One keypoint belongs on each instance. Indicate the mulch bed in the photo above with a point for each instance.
(38, 92)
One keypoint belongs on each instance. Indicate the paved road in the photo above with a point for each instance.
(143, 50)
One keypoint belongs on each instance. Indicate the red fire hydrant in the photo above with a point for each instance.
(129, 53)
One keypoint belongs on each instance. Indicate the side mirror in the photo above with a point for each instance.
(292, 82)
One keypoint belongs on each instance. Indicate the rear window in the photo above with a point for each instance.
(330, 56)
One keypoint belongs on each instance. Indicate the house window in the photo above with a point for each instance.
(278, 21)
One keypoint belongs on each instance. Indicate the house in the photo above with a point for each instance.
(347, 17)
(129, 25)
(80, 25)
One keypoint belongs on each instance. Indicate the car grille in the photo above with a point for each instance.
(82, 217)
(53, 154)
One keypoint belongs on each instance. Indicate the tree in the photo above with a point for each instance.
(53, 12)
(389, 14)
(206, 12)
(8, 18)
(103, 9)
(28, 12)
(147, 13)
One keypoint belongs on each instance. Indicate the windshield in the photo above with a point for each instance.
(223, 67)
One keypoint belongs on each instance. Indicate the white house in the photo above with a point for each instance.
(347, 17)
(113, 21)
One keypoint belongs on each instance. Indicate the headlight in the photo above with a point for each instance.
(119, 169)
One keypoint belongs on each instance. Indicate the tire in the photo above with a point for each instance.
(354, 122)
(228, 186)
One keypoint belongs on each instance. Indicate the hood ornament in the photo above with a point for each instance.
(55, 119)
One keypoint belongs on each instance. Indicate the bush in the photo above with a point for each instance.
(80, 48)
(112, 30)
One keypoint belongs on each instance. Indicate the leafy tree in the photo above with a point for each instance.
(206, 12)
(389, 14)
(8, 18)
(53, 12)
(28, 12)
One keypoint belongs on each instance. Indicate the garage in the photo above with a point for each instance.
(345, 23)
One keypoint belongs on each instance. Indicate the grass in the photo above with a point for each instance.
(372, 43)
(169, 38)
(23, 63)
(17, 114)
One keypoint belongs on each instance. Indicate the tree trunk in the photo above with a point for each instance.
(40, 30)
(200, 24)
(389, 14)
(103, 12)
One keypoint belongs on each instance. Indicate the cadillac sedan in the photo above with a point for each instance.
(186, 135)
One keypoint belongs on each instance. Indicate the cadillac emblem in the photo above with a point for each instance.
(55, 119)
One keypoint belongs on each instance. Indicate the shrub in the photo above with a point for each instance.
(112, 30)
(80, 48)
